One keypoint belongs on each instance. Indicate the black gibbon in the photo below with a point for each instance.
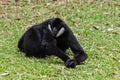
(52, 37)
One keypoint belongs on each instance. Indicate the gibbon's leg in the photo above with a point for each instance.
(32, 42)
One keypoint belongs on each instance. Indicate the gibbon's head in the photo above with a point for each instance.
(56, 26)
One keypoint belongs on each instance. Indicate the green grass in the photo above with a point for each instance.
(90, 21)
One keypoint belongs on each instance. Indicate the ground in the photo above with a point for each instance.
(95, 23)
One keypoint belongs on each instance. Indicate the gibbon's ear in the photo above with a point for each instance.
(60, 32)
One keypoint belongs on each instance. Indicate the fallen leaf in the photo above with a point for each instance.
(96, 27)
(4, 74)
(110, 29)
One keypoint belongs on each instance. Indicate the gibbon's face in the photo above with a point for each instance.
(56, 27)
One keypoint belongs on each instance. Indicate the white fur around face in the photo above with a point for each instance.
(60, 32)
(49, 27)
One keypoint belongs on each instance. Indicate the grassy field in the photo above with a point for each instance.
(96, 24)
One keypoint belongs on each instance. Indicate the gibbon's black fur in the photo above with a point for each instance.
(52, 37)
